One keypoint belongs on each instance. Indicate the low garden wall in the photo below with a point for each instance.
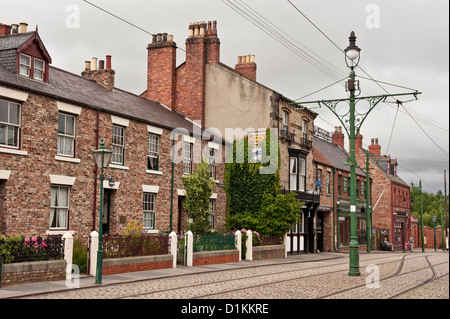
(36, 271)
(131, 264)
(268, 252)
(215, 257)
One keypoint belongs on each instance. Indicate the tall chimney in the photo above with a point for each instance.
(161, 70)
(358, 143)
(338, 136)
(247, 66)
(104, 77)
(374, 148)
(212, 43)
(5, 29)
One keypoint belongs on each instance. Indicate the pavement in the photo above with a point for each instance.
(87, 281)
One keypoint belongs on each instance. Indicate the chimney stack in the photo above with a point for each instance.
(104, 77)
(161, 70)
(247, 66)
(14, 28)
(358, 143)
(338, 137)
(374, 148)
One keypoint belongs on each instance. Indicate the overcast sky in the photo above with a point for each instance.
(403, 42)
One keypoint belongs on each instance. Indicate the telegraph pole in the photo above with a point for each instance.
(421, 216)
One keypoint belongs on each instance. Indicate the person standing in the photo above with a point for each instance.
(411, 243)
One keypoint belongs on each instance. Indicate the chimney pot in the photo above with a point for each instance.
(214, 32)
(15, 28)
(196, 29)
(101, 64)
(154, 36)
(159, 37)
(209, 32)
(239, 59)
(202, 29)
(191, 30)
(108, 62)
(87, 65)
(23, 27)
(252, 58)
(5, 29)
(170, 38)
(94, 64)
(165, 37)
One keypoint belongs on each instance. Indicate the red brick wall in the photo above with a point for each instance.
(203, 261)
(137, 267)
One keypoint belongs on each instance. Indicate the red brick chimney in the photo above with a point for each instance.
(202, 48)
(5, 29)
(161, 70)
(358, 143)
(247, 66)
(338, 136)
(374, 148)
(98, 73)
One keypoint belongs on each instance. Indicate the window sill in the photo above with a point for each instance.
(153, 172)
(151, 231)
(119, 167)
(13, 151)
(60, 232)
(67, 159)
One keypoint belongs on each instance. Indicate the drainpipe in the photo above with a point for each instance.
(334, 208)
(173, 169)
(94, 209)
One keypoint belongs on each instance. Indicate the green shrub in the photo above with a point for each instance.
(80, 255)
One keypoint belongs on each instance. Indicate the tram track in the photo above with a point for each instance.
(265, 275)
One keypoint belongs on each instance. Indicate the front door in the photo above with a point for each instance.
(106, 210)
(320, 231)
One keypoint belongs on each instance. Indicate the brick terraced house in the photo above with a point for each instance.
(50, 122)
(230, 100)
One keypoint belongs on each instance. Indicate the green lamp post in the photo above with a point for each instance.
(352, 121)
(102, 158)
(434, 226)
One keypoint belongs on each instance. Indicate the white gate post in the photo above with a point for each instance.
(238, 235)
(93, 249)
(249, 244)
(68, 253)
(285, 242)
(189, 249)
(173, 247)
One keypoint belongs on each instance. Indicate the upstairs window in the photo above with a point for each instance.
(25, 65)
(187, 158)
(66, 135)
(118, 145)
(9, 123)
(153, 152)
(212, 163)
(39, 69)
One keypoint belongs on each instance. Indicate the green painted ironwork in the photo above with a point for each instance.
(213, 242)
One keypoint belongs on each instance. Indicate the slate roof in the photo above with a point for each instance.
(334, 154)
(14, 41)
(383, 162)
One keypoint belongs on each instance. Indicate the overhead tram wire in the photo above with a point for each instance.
(340, 50)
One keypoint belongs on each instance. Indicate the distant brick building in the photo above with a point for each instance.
(51, 121)
(334, 178)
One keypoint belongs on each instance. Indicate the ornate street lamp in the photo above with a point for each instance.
(102, 158)
(352, 122)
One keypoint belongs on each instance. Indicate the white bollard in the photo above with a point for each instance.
(189, 248)
(173, 247)
(93, 249)
(238, 235)
(249, 244)
(68, 253)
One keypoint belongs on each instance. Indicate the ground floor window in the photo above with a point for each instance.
(59, 207)
(344, 230)
(149, 211)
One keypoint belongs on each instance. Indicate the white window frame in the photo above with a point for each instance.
(154, 142)
(39, 70)
(328, 182)
(8, 125)
(118, 148)
(187, 157)
(293, 173)
(28, 66)
(65, 136)
(148, 210)
(302, 174)
(58, 208)
(211, 210)
(285, 125)
(212, 163)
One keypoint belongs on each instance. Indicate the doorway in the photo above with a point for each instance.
(319, 229)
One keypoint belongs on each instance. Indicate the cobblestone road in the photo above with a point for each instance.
(383, 276)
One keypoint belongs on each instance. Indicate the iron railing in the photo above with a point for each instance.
(31, 249)
(119, 246)
(213, 242)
